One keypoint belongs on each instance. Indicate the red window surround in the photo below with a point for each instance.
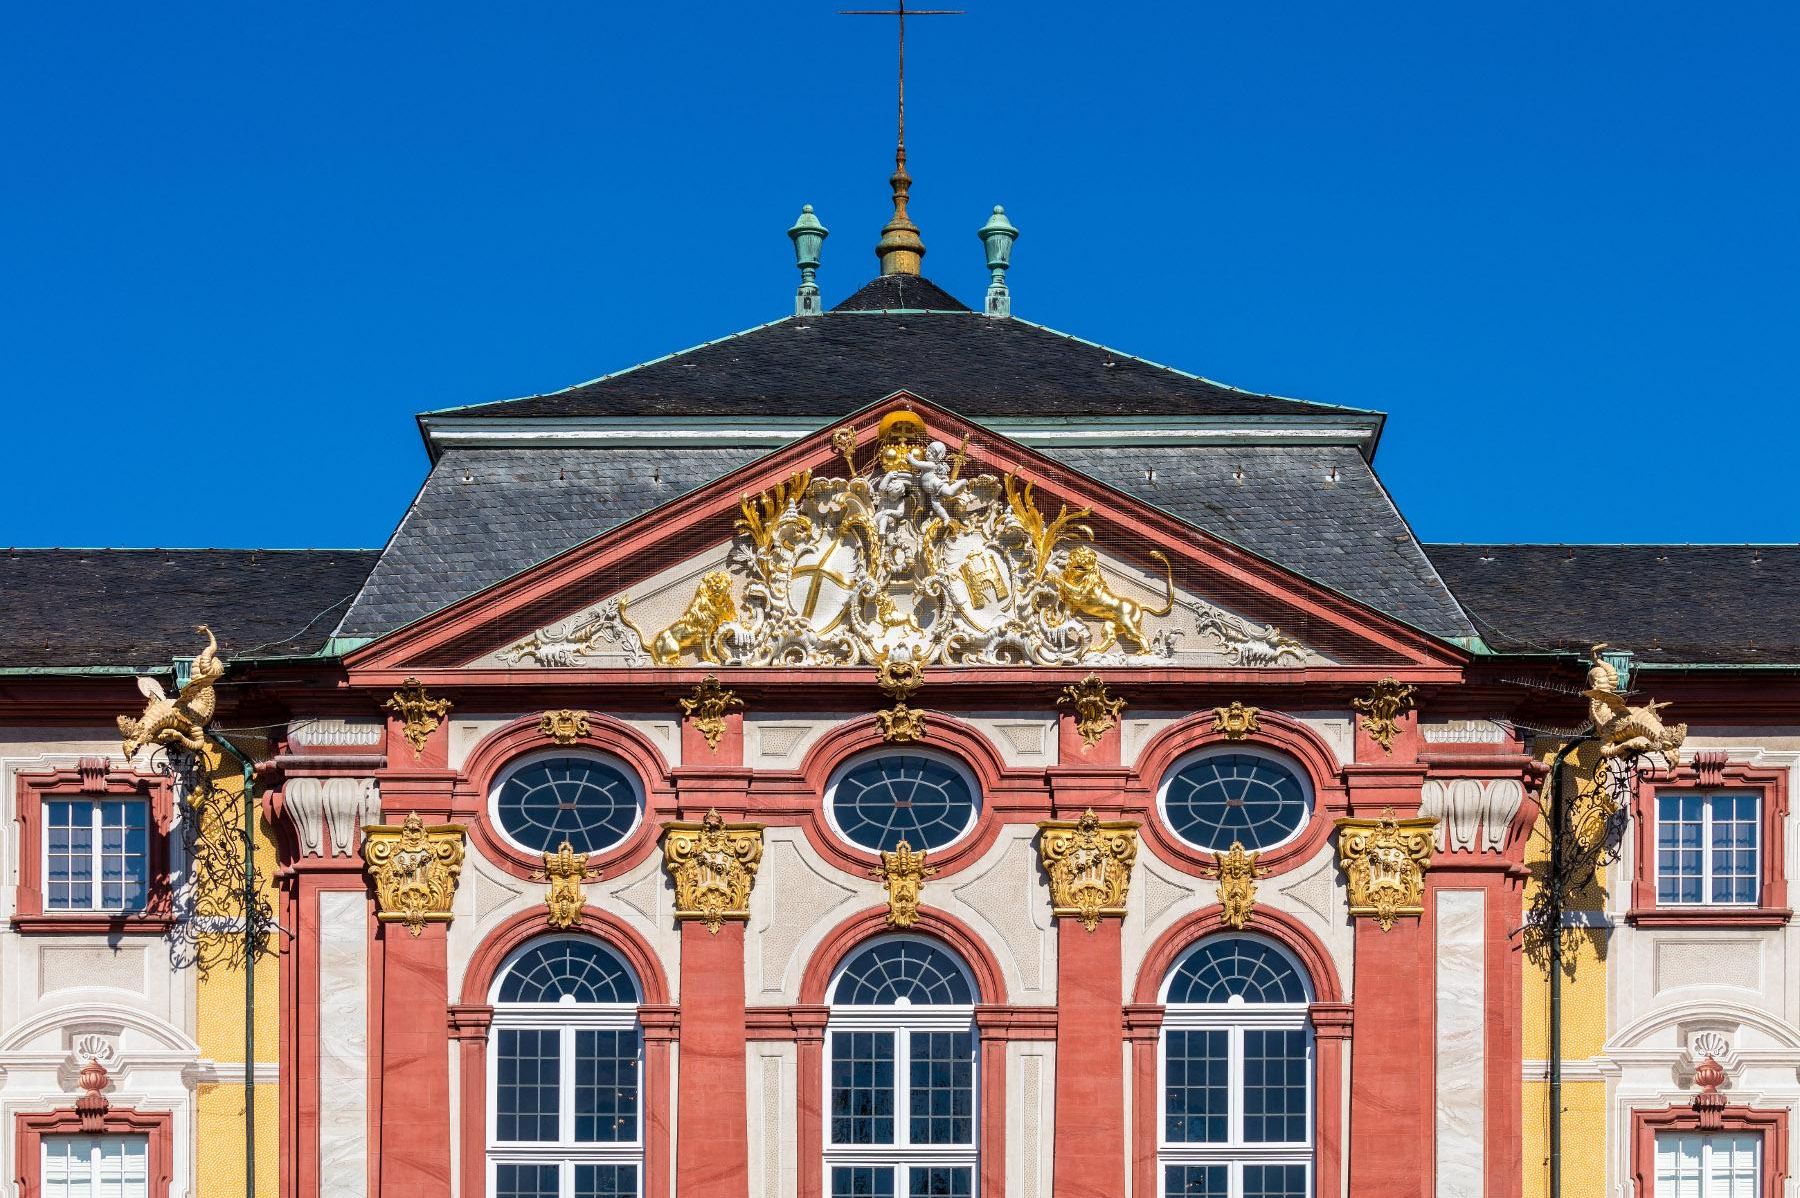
(1771, 1125)
(1710, 770)
(92, 778)
(92, 1115)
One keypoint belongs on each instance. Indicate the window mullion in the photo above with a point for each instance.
(565, 1070)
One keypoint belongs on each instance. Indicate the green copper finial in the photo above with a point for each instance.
(808, 236)
(998, 236)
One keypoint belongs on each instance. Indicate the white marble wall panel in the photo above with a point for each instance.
(770, 1120)
(1030, 1118)
(343, 1044)
(1461, 1042)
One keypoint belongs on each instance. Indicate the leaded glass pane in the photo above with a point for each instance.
(1197, 1181)
(527, 1080)
(942, 1089)
(1245, 798)
(862, 1088)
(1197, 1087)
(1276, 1090)
(892, 970)
(862, 1181)
(883, 800)
(606, 1086)
(588, 802)
(1226, 967)
(580, 970)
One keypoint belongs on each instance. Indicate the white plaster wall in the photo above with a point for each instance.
(468, 731)
(1138, 729)
(67, 995)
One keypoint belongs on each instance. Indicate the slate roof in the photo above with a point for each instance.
(137, 607)
(486, 514)
(900, 293)
(849, 357)
(1690, 604)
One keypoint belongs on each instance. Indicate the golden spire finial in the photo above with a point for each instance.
(900, 249)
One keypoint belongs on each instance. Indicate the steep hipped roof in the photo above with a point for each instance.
(1698, 604)
(485, 514)
(865, 348)
(68, 608)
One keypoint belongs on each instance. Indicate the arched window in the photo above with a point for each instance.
(923, 798)
(1213, 799)
(566, 1063)
(544, 799)
(901, 1088)
(1237, 1073)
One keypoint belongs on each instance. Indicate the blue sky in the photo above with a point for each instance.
(241, 245)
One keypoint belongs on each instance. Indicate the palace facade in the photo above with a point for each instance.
(899, 750)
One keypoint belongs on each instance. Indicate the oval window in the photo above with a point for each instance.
(1219, 798)
(920, 798)
(591, 802)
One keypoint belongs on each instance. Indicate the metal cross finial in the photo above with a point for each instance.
(900, 248)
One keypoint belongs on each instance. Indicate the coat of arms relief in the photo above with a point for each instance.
(907, 557)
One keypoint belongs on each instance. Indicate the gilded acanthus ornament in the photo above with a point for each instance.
(1623, 730)
(903, 873)
(567, 872)
(899, 678)
(419, 712)
(1096, 711)
(1381, 711)
(708, 707)
(182, 720)
(1237, 873)
(1237, 721)
(714, 866)
(565, 727)
(415, 869)
(1384, 864)
(1089, 865)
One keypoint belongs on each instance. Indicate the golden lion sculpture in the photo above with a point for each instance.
(694, 631)
(183, 719)
(1084, 591)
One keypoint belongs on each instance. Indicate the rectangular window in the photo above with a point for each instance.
(96, 1167)
(606, 1086)
(1198, 1087)
(528, 1085)
(96, 854)
(943, 1088)
(1690, 1165)
(1708, 849)
(862, 1088)
(860, 1181)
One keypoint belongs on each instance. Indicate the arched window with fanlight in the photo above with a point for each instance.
(565, 1115)
(901, 1084)
(1236, 1073)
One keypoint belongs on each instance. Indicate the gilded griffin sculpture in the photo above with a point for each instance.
(1624, 730)
(181, 720)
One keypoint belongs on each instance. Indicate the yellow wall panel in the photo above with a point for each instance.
(219, 1152)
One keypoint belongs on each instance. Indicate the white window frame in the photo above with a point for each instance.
(1706, 847)
(1234, 1018)
(1237, 750)
(581, 752)
(903, 1022)
(568, 1017)
(1707, 1141)
(978, 800)
(96, 852)
(122, 1184)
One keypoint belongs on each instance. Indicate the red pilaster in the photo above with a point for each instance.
(1090, 1062)
(712, 1158)
(1331, 1036)
(415, 1063)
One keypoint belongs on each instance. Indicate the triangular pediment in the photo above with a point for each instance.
(904, 533)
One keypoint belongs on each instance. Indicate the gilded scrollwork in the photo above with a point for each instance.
(420, 714)
(1237, 721)
(713, 865)
(708, 707)
(903, 872)
(1096, 709)
(1381, 710)
(565, 726)
(899, 679)
(1237, 873)
(568, 873)
(415, 868)
(1088, 862)
(1384, 862)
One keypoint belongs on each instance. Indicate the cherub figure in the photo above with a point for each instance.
(932, 479)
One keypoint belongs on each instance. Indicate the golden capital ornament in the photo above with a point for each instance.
(903, 873)
(568, 872)
(1384, 863)
(1089, 864)
(415, 868)
(565, 727)
(714, 865)
(1237, 721)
